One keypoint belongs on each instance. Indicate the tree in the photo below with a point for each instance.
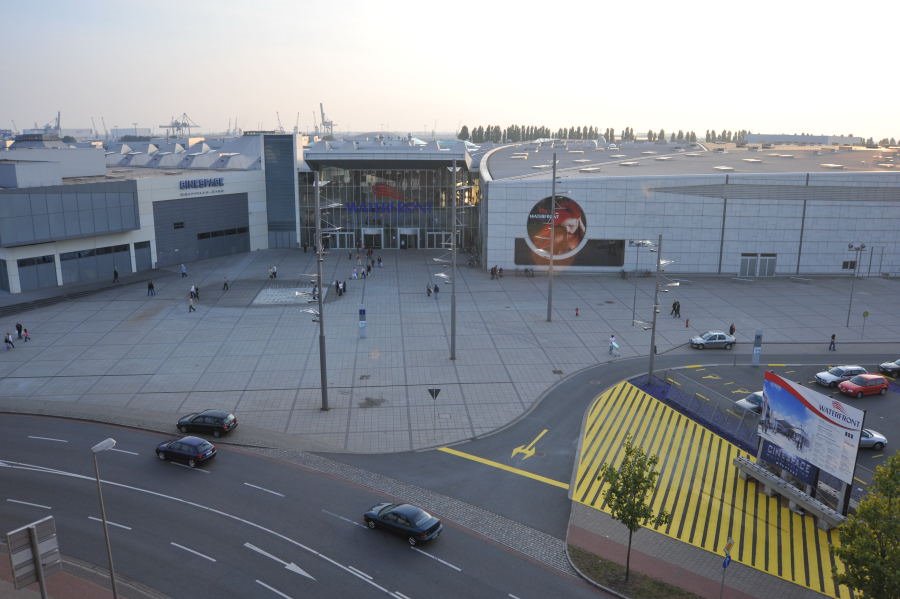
(463, 133)
(629, 485)
(870, 538)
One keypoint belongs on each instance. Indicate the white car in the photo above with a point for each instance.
(751, 403)
(837, 374)
(872, 439)
(713, 339)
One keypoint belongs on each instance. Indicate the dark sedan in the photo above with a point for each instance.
(890, 368)
(414, 523)
(190, 450)
(211, 422)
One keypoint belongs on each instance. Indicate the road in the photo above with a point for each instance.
(242, 525)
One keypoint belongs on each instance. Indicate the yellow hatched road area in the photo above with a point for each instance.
(699, 485)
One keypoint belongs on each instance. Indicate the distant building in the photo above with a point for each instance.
(803, 140)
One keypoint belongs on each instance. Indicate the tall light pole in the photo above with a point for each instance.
(637, 244)
(552, 239)
(453, 266)
(854, 246)
(105, 445)
(320, 258)
(655, 309)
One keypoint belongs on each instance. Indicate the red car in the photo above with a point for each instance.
(864, 384)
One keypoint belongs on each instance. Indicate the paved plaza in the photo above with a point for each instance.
(122, 355)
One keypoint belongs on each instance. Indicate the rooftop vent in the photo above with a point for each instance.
(832, 166)
(589, 169)
(751, 160)
(724, 168)
(663, 158)
(630, 163)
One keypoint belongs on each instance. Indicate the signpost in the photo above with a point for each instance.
(865, 316)
(725, 564)
(362, 321)
(434, 392)
(34, 553)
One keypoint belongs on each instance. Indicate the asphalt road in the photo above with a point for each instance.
(240, 526)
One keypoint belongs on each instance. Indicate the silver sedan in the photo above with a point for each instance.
(713, 339)
(870, 439)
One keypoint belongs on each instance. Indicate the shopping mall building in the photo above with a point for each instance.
(71, 215)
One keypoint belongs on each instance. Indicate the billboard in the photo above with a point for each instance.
(811, 426)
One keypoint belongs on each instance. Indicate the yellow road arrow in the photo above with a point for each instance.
(528, 450)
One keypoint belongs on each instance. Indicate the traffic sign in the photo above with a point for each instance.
(726, 561)
(33, 552)
(434, 391)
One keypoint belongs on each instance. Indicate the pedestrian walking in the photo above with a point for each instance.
(428, 290)
(500, 272)
(493, 272)
(225, 285)
(19, 330)
(193, 292)
(831, 346)
(305, 245)
(350, 255)
(274, 271)
(183, 270)
(115, 275)
(677, 309)
(191, 307)
(354, 273)
(197, 294)
(25, 335)
(151, 288)
(380, 262)
(613, 346)
(436, 289)
(343, 287)
(732, 329)
(9, 342)
(672, 311)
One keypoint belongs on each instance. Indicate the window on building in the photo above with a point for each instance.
(178, 225)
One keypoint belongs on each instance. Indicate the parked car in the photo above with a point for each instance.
(864, 384)
(190, 450)
(414, 523)
(211, 422)
(835, 375)
(751, 403)
(870, 439)
(713, 339)
(890, 368)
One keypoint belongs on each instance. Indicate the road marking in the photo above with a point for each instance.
(528, 450)
(292, 567)
(437, 559)
(47, 439)
(728, 383)
(110, 522)
(125, 451)
(345, 519)
(673, 382)
(733, 413)
(189, 550)
(742, 390)
(91, 480)
(695, 367)
(498, 465)
(511, 596)
(359, 572)
(777, 365)
(195, 469)
(701, 396)
(860, 481)
(46, 507)
(400, 595)
(274, 590)
(713, 377)
(266, 490)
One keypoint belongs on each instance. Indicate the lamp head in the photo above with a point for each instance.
(104, 445)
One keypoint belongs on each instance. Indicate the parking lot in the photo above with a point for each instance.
(721, 386)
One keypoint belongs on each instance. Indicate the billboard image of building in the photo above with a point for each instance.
(810, 426)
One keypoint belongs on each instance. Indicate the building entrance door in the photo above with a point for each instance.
(438, 240)
(373, 237)
(409, 238)
(345, 240)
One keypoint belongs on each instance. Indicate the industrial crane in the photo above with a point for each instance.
(327, 125)
(180, 127)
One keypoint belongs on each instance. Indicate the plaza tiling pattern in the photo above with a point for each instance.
(700, 487)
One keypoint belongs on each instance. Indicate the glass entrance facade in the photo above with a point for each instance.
(393, 208)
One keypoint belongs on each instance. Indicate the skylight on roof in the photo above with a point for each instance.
(589, 169)
(832, 166)
(663, 158)
(618, 156)
(724, 168)
(630, 163)
(581, 160)
(751, 159)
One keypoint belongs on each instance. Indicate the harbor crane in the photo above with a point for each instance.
(180, 127)
(327, 124)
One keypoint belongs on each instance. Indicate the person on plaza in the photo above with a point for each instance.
(380, 262)
(9, 342)
(191, 307)
(115, 275)
(732, 329)
(677, 309)
(493, 272)
(274, 271)
(151, 288)
(500, 272)
(183, 270)
(193, 292)
(428, 290)
(305, 245)
(343, 287)
(197, 294)
(354, 274)
(350, 255)
(831, 346)
(19, 330)
(672, 311)
(368, 268)
(613, 345)
(25, 335)
(436, 289)
(225, 285)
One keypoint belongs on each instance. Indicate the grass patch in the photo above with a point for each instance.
(612, 575)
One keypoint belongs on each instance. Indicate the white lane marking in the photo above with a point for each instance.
(46, 507)
(348, 520)
(110, 522)
(260, 527)
(292, 567)
(47, 439)
(400, 595)
(266, 490)
(125, 451)
(274, 590)
(359, 572)
(189, 550)
(436, 558)
(511, 596)
(195, 469)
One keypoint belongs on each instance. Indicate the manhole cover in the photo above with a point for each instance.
(371, 402)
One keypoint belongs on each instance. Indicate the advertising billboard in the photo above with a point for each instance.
(811, 426)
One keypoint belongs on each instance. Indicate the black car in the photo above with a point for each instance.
(191, 450)
(414, 523)
(211, 422)
(890, 368)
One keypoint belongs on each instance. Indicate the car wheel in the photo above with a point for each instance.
(182, 429)
(859, 394)
(832, 384)
(701, 346)
(160, 455)
(217, 433)
(727, 346)
(192, 462)
(878, 445)
(412, 541)
(370, 524)
(883, 391)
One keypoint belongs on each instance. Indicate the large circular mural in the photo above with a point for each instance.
(565, 230)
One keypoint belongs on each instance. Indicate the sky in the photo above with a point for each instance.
(792, 66)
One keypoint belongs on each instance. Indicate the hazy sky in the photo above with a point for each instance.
(411, 66)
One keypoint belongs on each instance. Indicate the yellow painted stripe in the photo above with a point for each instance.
(498, 465)
(695, 366)
(778, 365)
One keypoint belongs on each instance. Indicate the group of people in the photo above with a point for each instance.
(273, 272)
(340, 287)
(429, 289)
(676, 310)
(21, 334)
(496, 272)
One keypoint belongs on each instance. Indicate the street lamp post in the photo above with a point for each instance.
(105, 445)
(637, 244)
(552, 239)
(655, 309)
(323, 372)
(453, 267)
(854, 246)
